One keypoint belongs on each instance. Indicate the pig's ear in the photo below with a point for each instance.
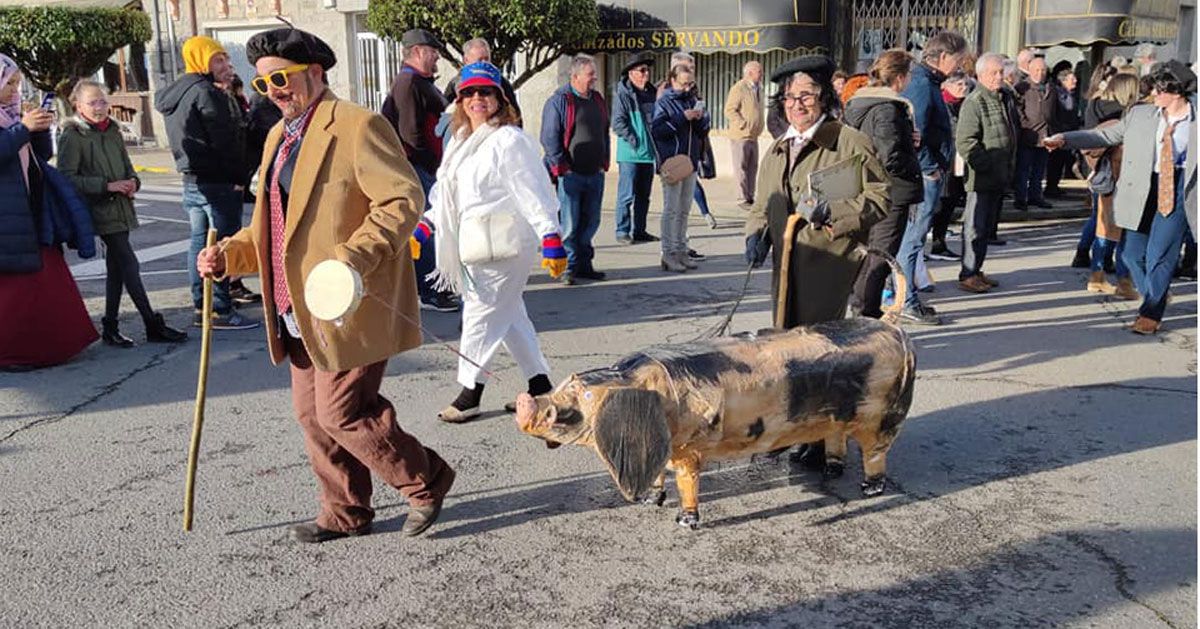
(632, 438)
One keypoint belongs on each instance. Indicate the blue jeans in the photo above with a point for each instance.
(1087, 235)
(210, 206)
(633, 197)
(1031, 170)
(701, 199)
(1152, 252)
(428, 260)
(579, 199)
(915, 232)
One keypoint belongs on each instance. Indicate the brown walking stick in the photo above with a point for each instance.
(201, 388)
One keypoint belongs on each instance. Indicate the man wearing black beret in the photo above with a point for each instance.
(336, 185)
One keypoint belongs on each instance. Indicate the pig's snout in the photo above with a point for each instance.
(526, 412)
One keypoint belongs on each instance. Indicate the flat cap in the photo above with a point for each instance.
(419, 37)
(819, 67)
(291, 44)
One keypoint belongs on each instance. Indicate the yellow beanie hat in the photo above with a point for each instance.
(197, 51)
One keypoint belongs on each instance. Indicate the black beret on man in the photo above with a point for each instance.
(819, 67)
(291, 44)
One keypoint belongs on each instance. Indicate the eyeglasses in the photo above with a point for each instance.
(95, 104)
(482, 92)
(277, 79)
(805, 98)
(641, 70)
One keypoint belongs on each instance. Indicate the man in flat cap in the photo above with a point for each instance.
(414, 108)
(336, 185)
(209, 144)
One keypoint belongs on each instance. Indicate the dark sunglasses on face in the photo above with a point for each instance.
(641, 70)
(471, 92)
(277, 79)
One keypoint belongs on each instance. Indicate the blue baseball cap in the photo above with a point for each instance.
(480, 74)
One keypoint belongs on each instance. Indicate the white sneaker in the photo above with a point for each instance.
(712, 222)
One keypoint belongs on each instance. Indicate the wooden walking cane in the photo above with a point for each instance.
(201, 388)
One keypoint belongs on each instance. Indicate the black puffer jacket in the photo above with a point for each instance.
(885, 117)
(205, 130)
(1098, 111)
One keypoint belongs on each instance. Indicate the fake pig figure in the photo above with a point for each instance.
(677, 406)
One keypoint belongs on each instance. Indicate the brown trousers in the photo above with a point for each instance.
(350, 431)
(745, 166)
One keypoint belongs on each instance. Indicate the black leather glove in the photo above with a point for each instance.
(758, 245)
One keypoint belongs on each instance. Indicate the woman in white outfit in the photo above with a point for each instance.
(491, 206)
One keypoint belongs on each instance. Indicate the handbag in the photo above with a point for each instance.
(676, 168)
(490, 237)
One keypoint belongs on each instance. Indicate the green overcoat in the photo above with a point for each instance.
(92, 159)
(823, 263)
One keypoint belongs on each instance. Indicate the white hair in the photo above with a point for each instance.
(580, 62)
(478, 42)
(1145, 51)
(1010, 67)
(682, 57)
(750, 64)
(988, 59)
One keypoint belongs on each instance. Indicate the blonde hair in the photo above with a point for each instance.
(888, 67)
(1122, 88)
(85, 85)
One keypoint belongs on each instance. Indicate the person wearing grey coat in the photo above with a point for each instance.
(1155, 219)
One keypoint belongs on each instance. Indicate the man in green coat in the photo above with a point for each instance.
(817, 254)
(91, 153)
(986, 138)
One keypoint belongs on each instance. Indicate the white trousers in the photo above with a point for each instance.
(494, 314)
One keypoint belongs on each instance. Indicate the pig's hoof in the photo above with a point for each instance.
(689, 519)
(873, 486)
(833, 469)
(655, 499)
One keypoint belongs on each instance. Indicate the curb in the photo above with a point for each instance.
(157, 170)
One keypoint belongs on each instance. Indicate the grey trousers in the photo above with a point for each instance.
(677, 203)
(745, 166)
(980, 215)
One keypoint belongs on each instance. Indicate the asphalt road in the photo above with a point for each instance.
(1045, 477)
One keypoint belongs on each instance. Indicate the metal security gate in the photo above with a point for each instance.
(715, 74)
(379, 62)
(880, 25)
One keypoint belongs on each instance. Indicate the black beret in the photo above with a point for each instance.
(640, 59)
(1181, 73)
(819, 67)
(419, 37)
(291, 44)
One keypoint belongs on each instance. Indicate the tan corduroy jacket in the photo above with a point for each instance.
(744, 112)
(354, 198)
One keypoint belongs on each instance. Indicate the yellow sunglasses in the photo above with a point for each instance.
(277, 79)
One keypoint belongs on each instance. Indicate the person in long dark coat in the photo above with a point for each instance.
(813, 283)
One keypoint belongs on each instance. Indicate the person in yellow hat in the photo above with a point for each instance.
(208, 142)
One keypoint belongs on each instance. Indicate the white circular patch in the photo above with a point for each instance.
(587, 395)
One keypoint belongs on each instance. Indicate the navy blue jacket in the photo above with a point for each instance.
(558, 124)
(64, 218)
(932, 118)
(670, 128)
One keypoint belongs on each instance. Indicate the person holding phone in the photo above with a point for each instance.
(91, 153)
(678, 127)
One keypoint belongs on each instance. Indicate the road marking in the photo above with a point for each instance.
(85, 278)
(163, 219)
(158, 252)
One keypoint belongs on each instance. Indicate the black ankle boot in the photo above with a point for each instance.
(157, 331)
(1082, 259)
(468, 398)
(112, 336)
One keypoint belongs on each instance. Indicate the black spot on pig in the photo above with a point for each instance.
(833, 384)
(756, 429)
(850, 332)
(697, 361)
(603, 375)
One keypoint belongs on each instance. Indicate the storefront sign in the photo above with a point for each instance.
(712, 25)
(1053, 22)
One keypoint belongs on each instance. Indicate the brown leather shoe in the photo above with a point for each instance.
(1144, 326)
(1126, 291)
(421, 518)
(988, 280)
(1098, 283)
(974, 284)
(312, 533)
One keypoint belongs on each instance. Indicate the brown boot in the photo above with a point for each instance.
(1144, 326)
(1126, 291)
(974, 284)
(1098, 283)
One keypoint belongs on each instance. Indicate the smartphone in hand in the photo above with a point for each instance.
(48, 102)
